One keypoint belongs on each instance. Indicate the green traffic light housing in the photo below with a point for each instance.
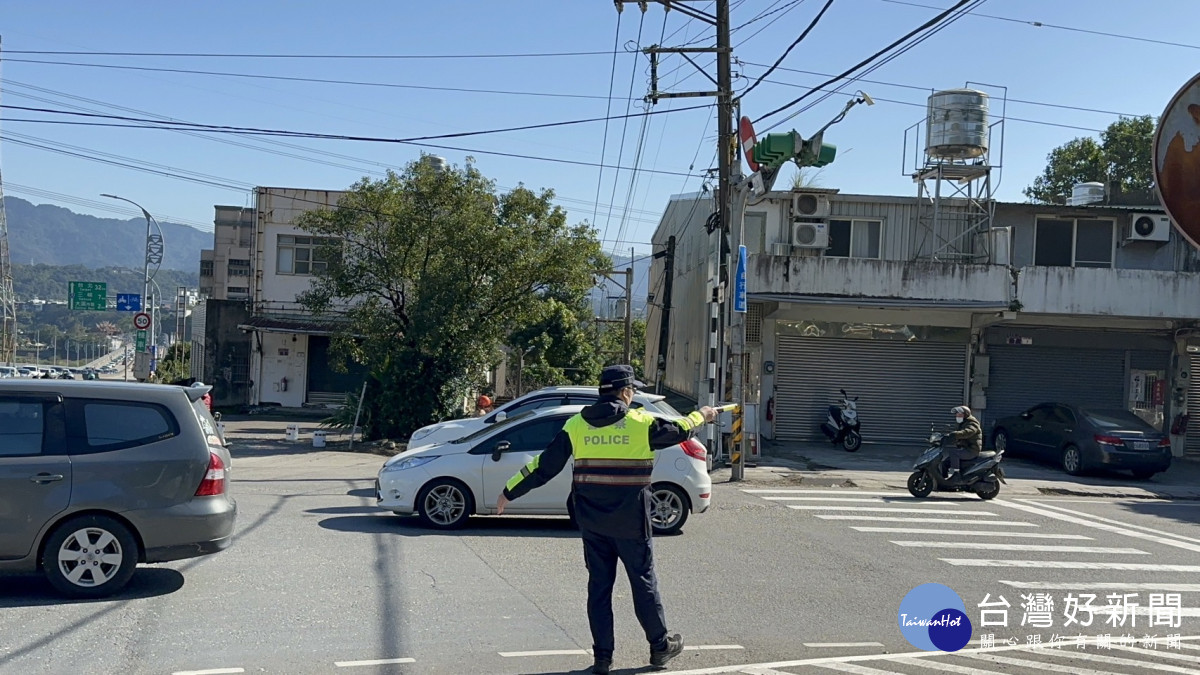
(776, 149)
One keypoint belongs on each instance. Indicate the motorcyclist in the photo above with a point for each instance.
(968, 440)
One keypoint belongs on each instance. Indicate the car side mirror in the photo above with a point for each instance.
(500, 416)
(217, 416)
(501, 448)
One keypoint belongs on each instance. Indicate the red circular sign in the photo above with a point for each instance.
(1177, 160)
(746, 133)
(141, 321)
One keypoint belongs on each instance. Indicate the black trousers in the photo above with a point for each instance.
(600, 554)
(957, 455)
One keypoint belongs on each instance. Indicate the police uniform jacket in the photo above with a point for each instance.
(611, 473)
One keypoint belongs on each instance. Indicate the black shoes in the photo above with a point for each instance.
(674, 648)
(601, 666)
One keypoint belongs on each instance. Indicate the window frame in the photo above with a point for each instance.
(52, 435)
(310, 247)
(81, 443)
(854, 225)
(561, 420)
(1112, 221)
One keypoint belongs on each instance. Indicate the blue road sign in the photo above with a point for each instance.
(129, 302)
(739, 284)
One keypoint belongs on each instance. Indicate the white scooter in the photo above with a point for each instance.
(842, 426)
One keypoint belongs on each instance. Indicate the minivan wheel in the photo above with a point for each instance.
(444, 504)
(89, 557)
(668, 509)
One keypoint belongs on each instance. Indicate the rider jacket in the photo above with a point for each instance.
(969, 436)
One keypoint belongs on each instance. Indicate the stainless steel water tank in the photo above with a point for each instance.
(957, 124)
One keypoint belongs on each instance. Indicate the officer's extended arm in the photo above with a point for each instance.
(665, 433)
(541, 469)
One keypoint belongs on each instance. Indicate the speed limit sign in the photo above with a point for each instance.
(141, 321)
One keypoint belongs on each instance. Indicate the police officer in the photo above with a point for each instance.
(613, 446)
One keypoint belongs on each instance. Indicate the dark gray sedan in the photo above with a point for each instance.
(1079, 439)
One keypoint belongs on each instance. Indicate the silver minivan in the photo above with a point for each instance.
(96, 477)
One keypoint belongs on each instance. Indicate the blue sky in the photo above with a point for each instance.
(1037, 65)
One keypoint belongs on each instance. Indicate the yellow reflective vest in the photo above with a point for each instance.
(617, 454)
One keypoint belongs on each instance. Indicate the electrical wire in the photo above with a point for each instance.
(305, 56)
(625, 123)
(612, 78)
(812, 24)
(935, 20)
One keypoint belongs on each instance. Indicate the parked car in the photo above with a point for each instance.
(96, 477)
(1079, 439)
(447, 482)
(547, 397)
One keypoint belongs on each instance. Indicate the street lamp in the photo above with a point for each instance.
(154, 255)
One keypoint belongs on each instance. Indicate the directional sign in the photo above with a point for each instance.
(739, 284)
(88, 295)
(140, 343)
(129, 302)
(141, 321)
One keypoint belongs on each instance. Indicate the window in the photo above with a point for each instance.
(113, 425)
(854, 238)
(22, 426)
(1074, 242)
(239, 268)
(238, 290)
(535, 436)
(302, 255)
(206, 268)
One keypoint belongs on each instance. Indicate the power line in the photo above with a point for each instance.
(812, 24)
(317, 80)
(1039, 24)
(305, 56)
(612, 78)
(869, 59)
(625, 123)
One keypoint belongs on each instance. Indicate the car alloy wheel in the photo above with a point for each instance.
(1000, 442)
(668, 509)
(90, 556)
(444, 505)
(1072, 461)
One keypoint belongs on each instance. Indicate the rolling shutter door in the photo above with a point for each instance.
(1192, 447)
(1022, 377)
(903, 386)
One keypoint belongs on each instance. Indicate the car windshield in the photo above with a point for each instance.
(492, 427)
(1115, 419)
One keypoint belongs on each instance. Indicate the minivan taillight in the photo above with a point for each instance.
(694, 448)
(215, 478)
(1109, 440)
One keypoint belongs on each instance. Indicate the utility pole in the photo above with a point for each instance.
(664, 326)
(627, 319)
(720, 225)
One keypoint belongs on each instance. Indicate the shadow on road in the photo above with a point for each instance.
(1179, 511)
(507, 526)
(588, 669)
(362, 492)
(32, 590)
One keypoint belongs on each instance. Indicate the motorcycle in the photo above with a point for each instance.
(981, 475)
(842, 426)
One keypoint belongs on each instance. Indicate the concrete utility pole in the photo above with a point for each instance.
(719, 226)
(664, 326)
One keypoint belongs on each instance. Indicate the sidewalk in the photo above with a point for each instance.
(817, 465)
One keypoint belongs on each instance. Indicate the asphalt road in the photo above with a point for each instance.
(773, 579)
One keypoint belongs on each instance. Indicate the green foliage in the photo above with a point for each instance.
(612, 343)
(441, 270)
(558, 347)
(175, 363)
(1122, 156)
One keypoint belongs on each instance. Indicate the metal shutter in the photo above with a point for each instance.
(1022, 377)
(903, 386)
(1193, 431)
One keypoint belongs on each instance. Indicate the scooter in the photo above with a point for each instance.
(841, 425)
(981, 475)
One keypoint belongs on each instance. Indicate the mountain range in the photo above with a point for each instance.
(53, 235)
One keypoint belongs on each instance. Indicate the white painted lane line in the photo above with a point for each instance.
(1043, 548)
(819, 645)
(856, 669)
(1184, 645)
(970, 533)
(1102, 586)
(371, 662)
(869, 500)
(930, 664)
(1158, 653)
(1140, 663)
(707, 648)
(763, 671)
(947, 521)
(886, 509)
(548, 652)
(210, 671)
(1091, 521)
(1033, 666)
(1071, 565)
(1110, 521)
(846, 492)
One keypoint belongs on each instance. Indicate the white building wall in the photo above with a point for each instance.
(282, 359)
(278, 209)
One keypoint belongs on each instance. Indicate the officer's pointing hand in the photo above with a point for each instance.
(710, 414)
(500, 504)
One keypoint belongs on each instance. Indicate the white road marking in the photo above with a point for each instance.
(548, 652)
(706, 648)
(1184, 645)
(852, 668)
(1071, 565)
(1115, 661)
(871, 500)
(763, 671)
(970, 533)
(1032, 666)
(848, 491)
(886, 509)
(1043, 548)
(210, 671)
(906, 519)
(946, 667)
(842, 644)
(1158, 653)
(1102, 586)
(1096, 522)
(372, 662)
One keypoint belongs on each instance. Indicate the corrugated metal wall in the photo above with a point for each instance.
(903, 386)
(1024, 376)
(1192, 446)
(898, 220)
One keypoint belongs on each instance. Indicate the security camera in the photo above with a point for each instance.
(867, 99)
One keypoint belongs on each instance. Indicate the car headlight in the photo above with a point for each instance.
(410, 463)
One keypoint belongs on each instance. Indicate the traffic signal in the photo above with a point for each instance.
(773, 150)
(816, 152)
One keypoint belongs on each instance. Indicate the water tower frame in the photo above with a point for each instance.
(956, 197)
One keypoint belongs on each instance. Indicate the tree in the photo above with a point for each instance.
(175, 363)
(556, 345)
(431, 271)
(1122, 159)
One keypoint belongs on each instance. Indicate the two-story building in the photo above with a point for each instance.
(1092, 304)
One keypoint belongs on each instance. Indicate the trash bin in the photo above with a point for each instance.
(318, 439)
(293, 432)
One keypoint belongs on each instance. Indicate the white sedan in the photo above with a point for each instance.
(448, 482)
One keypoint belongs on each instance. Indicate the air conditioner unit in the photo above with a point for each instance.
(810, 235)
(781, 249)
(810, 205)
(1149, 227)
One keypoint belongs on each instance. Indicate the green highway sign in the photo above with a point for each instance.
(140, 344)
(88, 295)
